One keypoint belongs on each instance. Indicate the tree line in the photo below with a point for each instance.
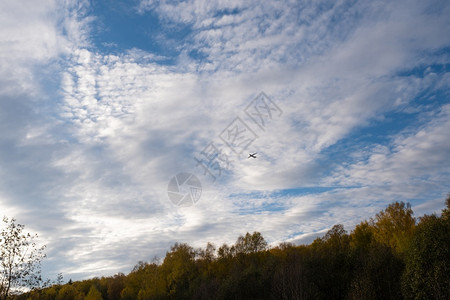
(390, 256)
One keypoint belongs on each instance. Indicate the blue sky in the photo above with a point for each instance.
(103, 102)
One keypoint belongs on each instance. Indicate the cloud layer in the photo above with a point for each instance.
(91, 137)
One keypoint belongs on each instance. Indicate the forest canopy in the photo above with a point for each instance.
(390, 256)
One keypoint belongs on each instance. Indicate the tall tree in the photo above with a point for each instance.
(115, 285)
(361, 237)
(446, 211)
(329, 266)
(20, 259)
(179, 269)
(69, 292)
(395, 226)
(427, 272)
(250, 243)
(93, 294)
(377, 269)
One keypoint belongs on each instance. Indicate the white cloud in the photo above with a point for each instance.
(140, 116)
(97, 166)
(414, 161)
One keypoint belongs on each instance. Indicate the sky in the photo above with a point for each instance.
(107, 105)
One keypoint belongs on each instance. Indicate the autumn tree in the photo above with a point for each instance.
(377, 273)
(144, 282)
(179, 269)
(362, 237)
(374, 248)
(20, 260)
(207, 254)
(237, 271)
(394, 226)
(225, 251)
(93, 294)
(291, 279)
(330, 267)
(115, 285)
(380, 259)
(69, 292)
(250, 243)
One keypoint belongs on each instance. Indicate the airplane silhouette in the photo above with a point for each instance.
(252, 155)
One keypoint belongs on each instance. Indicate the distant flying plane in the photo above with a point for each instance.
(252, 155)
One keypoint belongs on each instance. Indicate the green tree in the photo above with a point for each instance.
(427, 272)
(20, 259)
